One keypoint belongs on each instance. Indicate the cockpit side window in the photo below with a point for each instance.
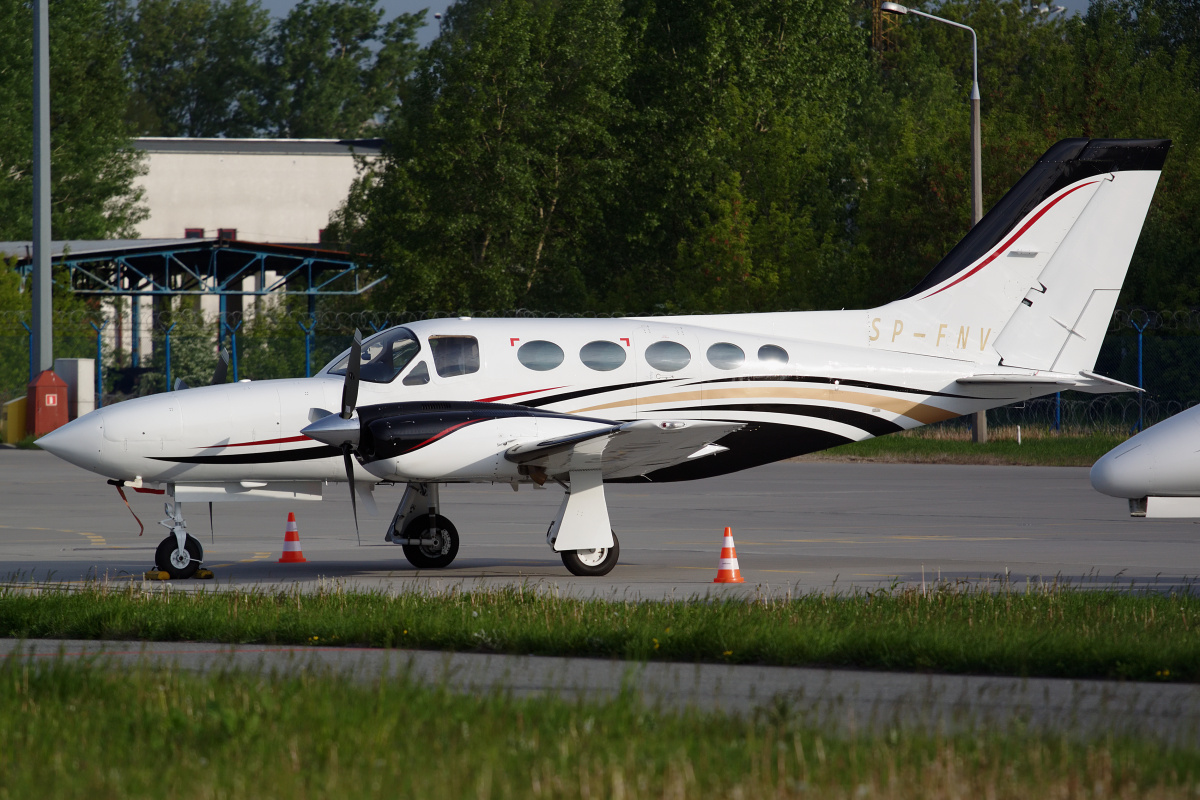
(419, 375)
(454, 355)
(384, 356)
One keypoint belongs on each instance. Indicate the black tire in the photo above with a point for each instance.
(591, 563)
(431, 556)
(179, 565)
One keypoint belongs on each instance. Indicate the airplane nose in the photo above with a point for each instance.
(80, 441)
(1124, 472)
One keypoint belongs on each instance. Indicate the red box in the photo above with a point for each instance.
(45, 404)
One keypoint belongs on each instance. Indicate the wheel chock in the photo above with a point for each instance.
(203, 574)
(157, 575)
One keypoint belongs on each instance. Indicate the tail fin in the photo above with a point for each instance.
(1035, 282)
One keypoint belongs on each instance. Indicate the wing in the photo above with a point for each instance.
(625, 450)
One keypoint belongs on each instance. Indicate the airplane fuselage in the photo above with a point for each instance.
(799, 395)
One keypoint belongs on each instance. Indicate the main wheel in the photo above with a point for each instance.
(442, 544)
(179, 563)
(592, 562)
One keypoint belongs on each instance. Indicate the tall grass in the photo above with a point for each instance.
(79, 731)
(1049, 630)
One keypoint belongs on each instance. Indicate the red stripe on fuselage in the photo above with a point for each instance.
(515, 394)
(251, 444)
(435, 437)
(1012, 239)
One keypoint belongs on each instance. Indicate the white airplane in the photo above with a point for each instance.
(1016, 310)
(1158, 470)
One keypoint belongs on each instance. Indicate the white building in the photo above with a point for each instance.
(256, 190)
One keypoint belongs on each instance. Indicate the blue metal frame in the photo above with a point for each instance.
(206, 268)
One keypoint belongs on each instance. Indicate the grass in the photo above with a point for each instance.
(939, 444)
(1041, 630)
(81, 731)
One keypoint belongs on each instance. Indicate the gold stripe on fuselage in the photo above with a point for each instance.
(921, 412)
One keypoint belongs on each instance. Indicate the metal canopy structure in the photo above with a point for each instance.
(200, 266)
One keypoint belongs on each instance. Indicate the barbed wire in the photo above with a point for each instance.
(1132, 320)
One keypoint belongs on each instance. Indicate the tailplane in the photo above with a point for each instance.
(1034, 284)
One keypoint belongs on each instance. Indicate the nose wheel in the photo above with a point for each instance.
(176, 562)
(599, 561)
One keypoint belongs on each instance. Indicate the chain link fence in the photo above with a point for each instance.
(1157, 350)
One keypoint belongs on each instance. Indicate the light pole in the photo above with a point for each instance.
(980, 429)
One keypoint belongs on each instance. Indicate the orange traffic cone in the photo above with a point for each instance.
(727, 568)
(292, 554)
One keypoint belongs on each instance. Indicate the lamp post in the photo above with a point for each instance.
(980, 429)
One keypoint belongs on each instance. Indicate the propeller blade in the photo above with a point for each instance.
(180, 385)
(222, 368)
(350, 387)
(350, 479)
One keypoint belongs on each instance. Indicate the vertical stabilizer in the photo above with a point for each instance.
(1034, 283)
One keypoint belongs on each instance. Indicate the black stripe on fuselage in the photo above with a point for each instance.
(885, 387)
(276, 457)
(752, 446)
(872, 424)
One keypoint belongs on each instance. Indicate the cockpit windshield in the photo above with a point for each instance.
(384, 356)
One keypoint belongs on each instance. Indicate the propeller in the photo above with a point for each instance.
(341, 429)
(222, 368)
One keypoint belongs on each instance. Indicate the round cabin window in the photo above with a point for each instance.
(724, 355)
(602, 356)
(668, 356)
(772, 354)
(540, 355)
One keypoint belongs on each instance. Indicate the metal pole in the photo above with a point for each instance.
(1141, 394)
(312, 324)
(980, 430)
(135, 334)
(29, 345)
(100, 362)
(43, 330)
(167, 347)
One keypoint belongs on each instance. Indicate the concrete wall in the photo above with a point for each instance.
(269, 190)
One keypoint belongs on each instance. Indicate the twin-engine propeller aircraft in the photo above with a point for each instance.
(1017, 309)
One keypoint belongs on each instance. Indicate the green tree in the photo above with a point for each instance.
(335, 66)
(196, 66)
(93, 163)
(500, 165)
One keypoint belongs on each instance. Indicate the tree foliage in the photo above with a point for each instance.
(93, 164)
(328, 69)
(732, 155)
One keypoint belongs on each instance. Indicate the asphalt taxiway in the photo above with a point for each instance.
(798, 527)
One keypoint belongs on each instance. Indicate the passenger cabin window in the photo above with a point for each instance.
(384, 356)
(540, 355)
(668, 356)
(724, 355)
(418, 377)
(454, 355)
(602, 356)
(772, 354)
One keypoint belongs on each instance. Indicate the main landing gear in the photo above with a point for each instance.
(580, 532)
(430, 541)
(180, 554)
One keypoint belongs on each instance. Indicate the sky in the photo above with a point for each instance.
(279, 8)
(427, 34)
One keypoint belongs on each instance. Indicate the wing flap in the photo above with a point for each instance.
(626, 450)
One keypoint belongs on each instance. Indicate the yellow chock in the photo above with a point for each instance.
(157, 575)
(203, 574)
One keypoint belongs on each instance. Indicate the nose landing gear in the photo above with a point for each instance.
(180, 554)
